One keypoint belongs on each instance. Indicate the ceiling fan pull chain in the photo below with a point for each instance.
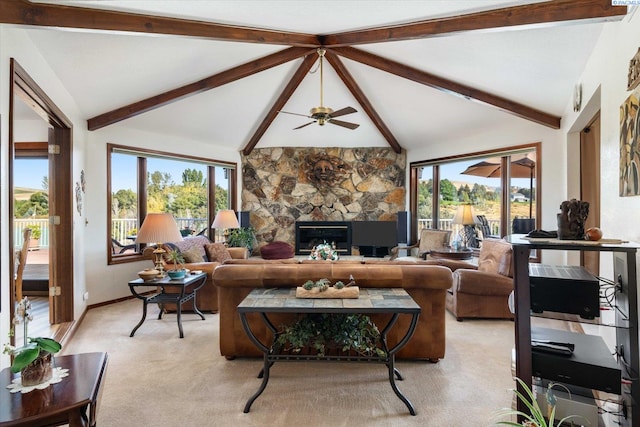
(321, 51)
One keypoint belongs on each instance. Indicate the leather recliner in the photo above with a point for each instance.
(483, 291)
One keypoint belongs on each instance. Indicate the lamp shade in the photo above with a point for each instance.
(225, 218)
(464, 215)
(158, 228)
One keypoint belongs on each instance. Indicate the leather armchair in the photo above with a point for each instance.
(483, 292)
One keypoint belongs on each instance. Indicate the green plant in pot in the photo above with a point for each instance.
(34, 360)
(322, 332)
(36, 233)
(242, 237)
(535, 417)
(177, 259)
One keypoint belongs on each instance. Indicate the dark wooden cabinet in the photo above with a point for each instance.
(624, 322)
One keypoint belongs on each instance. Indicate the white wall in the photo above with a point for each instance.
(109, 282)
(15, 44)
(605, 80)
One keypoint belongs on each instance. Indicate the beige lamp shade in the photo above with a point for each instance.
(464, 215)
(158, 228)
(225, 218)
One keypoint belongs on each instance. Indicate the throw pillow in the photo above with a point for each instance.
(192, 255)
(277, 250)
(217, 252)
(189, 242)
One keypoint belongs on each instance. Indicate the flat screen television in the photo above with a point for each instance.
(374, 233)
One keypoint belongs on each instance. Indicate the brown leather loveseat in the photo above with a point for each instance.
(427, 284)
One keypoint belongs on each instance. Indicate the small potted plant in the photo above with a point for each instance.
(242, 237)
(34, 360)
(536, 417)
(175, 257)
(34, 241)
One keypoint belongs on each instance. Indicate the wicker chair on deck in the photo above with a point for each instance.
(20, 262)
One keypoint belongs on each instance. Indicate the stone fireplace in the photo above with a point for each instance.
(283, 186)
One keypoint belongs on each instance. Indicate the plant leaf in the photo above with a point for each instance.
(28, 354)
(47, 344)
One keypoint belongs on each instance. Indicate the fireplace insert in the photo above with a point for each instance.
(312, 233)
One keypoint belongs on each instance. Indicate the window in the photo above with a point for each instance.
(478, 179)
(140, 182)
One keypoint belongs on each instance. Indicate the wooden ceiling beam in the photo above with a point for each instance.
(293, 84)
(536, 14)
(203, 85)
(23, 12)
(449, 86)
(362, 99)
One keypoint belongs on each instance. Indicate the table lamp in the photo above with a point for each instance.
(159, 228)
(466, 217)
(225, 219)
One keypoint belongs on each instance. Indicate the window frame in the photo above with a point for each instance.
(414, 177)
(142, 155)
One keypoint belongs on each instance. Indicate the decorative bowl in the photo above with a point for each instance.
(176, 274)
(148, 274)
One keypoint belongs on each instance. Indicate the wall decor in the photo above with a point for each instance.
(629, 146)
(83, 182)
(282, 185)
(634, 71)
(79, 198)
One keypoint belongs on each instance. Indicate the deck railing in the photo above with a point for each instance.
(123, 228)
(19, 224)
(447, 224)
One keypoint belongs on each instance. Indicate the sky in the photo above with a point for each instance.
(453, 172)
(28, 173)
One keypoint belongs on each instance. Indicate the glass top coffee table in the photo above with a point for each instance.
(394, 301)
(447, 252)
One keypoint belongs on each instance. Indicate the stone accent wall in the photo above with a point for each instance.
(284, 185)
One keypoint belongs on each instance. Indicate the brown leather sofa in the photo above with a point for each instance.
(427, 284)
(483, 291)
(207, 296)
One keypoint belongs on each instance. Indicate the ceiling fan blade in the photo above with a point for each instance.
(344, 111)
(306, 124)
(343, 124)
(295, 114)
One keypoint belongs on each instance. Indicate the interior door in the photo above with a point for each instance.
(590, 185)
(60, 155)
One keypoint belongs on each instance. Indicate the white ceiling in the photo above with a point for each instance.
(103, 71)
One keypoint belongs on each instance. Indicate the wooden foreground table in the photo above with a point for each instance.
(74, 400)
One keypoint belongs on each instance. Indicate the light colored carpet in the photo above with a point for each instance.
(158, 379)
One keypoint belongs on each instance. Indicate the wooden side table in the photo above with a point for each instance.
(74, 400)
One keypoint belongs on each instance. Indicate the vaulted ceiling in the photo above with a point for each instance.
(418, 72)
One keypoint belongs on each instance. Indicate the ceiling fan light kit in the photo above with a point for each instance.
(322, 114)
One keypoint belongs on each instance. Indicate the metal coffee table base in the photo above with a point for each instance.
(271, 355)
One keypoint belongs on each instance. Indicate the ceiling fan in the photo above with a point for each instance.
(322, 114)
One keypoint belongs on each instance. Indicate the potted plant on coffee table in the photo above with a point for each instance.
(177, 259)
